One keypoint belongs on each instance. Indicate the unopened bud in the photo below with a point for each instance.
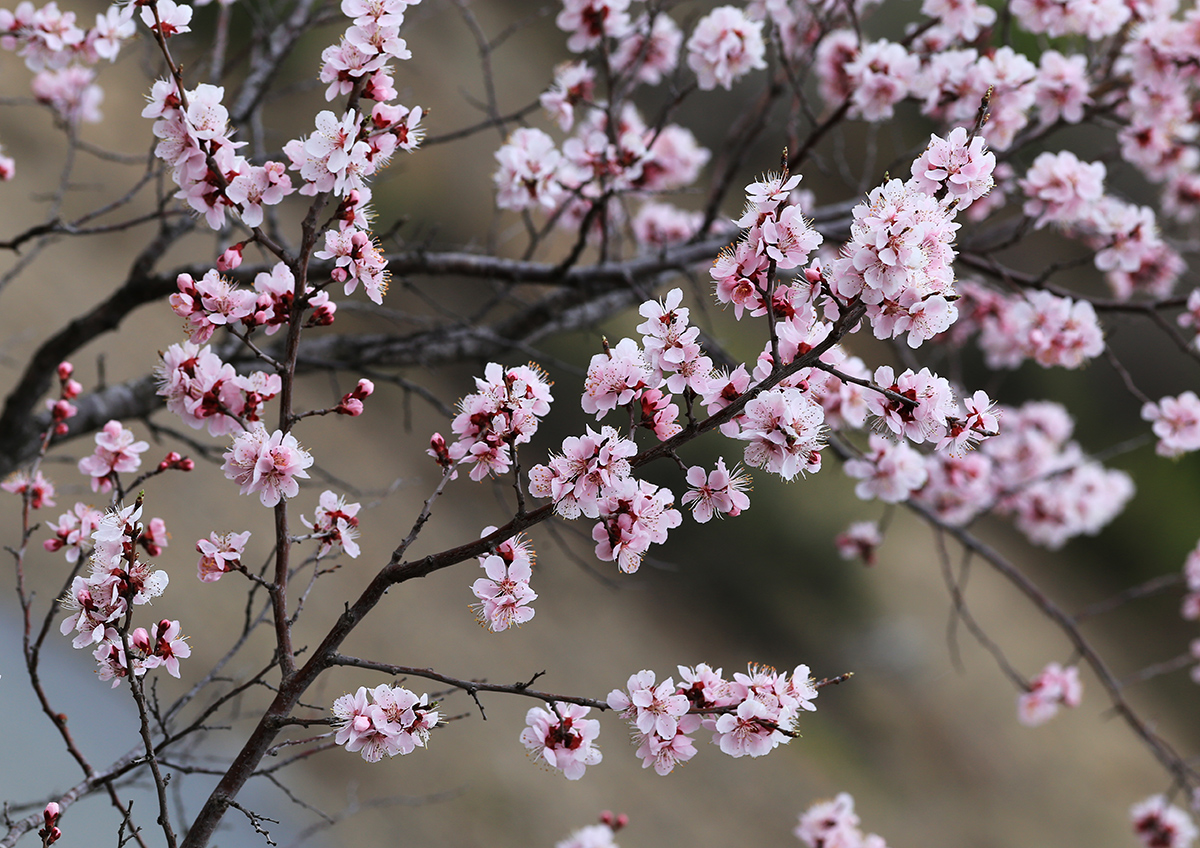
(231, 258)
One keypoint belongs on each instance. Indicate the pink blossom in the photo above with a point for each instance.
(633, 515)
(748, 730)
(334, 524)
(614, 378)
(650, 52)
(70, 92)
(900, 242)
(563, 738)
(889, 471)
(724, 46)
(528, 172)
(660, 224)
(962, 169)
(504, 593)
(880, 77)
(1176, 423)
(392, 720)
(963, 18)
(1061, 88)
(40, 489)
(116, 453)
(267, 463)
(1158, 824)
(590, 21)
(167, 647)
(220, 555)
(1060, 188)
(830, 824)
(785, 431)
(589, 468)
(652, 709)
(172, 18)
(860, 541)
(719, 493)
(1055, 685)
(73, 530)
(574, 83)
(257, 186)
(740, 274)
(930, 403)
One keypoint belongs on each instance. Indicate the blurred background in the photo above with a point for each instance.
(924, 736)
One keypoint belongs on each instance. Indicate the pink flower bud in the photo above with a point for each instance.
(140, 639)
(231, 258)
(365, 388)
(52, 811)
(61, 429)
(71, 389)
(65, 370)
(61, 410)
(338, 274)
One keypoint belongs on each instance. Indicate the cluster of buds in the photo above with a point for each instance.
(62, 408)
(50, 833)
(176, 461)
(352, 402)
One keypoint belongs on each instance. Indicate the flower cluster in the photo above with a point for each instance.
(1038, 325)
(899, 261)
(61, 55)
(749, 715)
(116, 452)
(334, 525)
(40, 489)
(385, 720)
(592, 478)
(206, 392)
(1031, 471)
(214, 301)
(195, 143)
(74, 531)
(266, 463)
(588, 468)
(502, 414)
(574, 183)
(97, 603)
(834, 824)
(724, 46)
(504, 594)
(634, 514)
(1053, 687)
